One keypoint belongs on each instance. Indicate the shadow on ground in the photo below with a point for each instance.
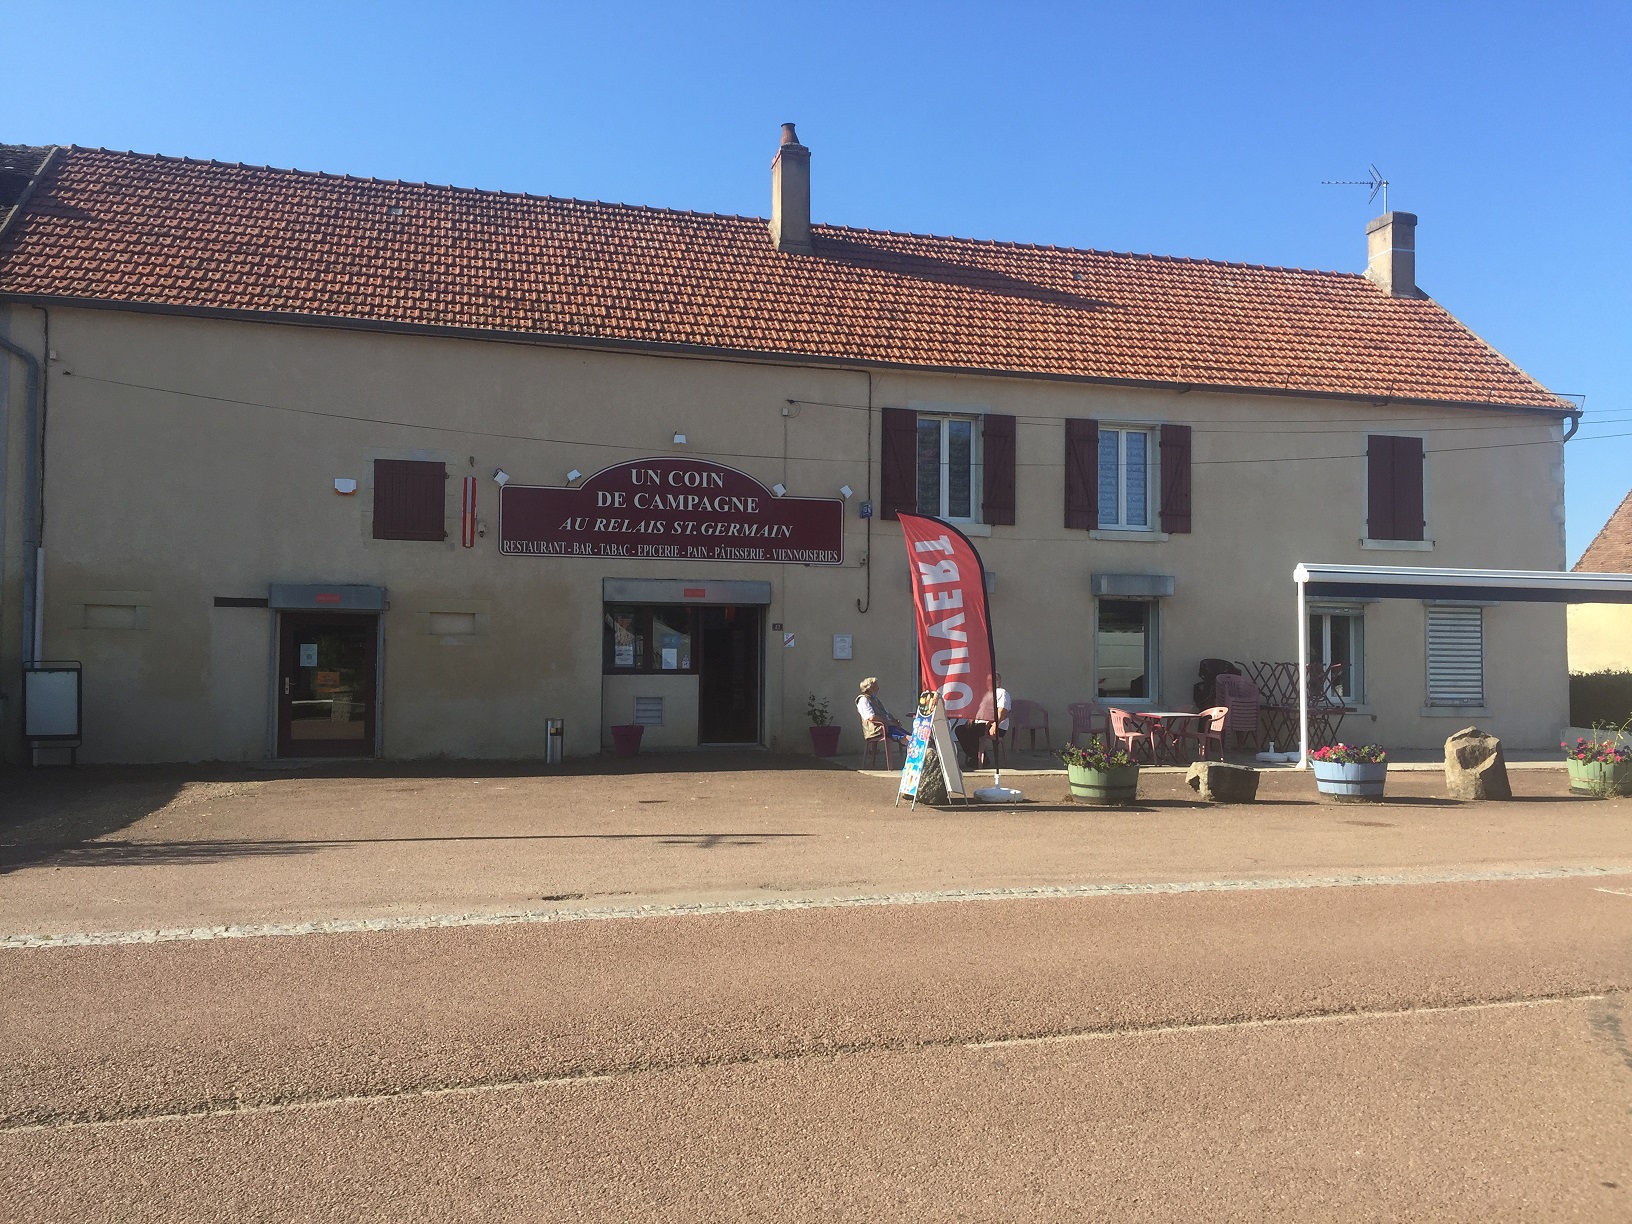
(67, 815)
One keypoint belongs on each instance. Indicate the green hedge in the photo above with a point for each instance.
(1600, 697)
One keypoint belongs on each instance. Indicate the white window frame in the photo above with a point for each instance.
(1152, 475)
(1153, 654)
(977, 485)
(1320, 649)
(1458, 623)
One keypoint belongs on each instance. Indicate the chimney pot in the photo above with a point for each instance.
(1391, 254)
(790, 195)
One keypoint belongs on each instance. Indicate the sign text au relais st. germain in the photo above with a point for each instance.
(680, 509)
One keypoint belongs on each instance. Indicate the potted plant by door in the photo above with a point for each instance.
(1101, 776)
(824, 736)
(1600, 765)
(1350, 773)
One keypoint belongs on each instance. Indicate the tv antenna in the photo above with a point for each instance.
(1376, 182)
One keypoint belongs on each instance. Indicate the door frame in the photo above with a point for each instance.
(277, 730)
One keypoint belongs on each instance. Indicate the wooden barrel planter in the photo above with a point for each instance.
(1600, 777)
(1350, 783)
(1104, 787)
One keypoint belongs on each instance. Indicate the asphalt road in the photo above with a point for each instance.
(1409, 1051)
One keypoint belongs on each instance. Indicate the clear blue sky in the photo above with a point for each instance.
(1199, 129)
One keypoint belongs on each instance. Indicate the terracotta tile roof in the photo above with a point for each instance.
(1611, 549)
(124, 227)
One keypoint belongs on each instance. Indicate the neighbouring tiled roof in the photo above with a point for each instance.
(123, 227)
(18, 166)
(1611, 549)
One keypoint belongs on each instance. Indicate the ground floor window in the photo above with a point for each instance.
(1456, 655)
(1337, 638)
(639, 638)
(1125, 649)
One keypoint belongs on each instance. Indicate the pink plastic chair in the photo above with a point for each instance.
(1209, 729)
(1132, 734)
(1087, 718)
(1239, 696)
(1032, 717)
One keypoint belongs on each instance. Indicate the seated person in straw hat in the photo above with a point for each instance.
(876, 721)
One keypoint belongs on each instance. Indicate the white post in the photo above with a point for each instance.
(1303, 675)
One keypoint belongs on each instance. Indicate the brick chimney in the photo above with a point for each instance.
(1391, 254)
(790, 195)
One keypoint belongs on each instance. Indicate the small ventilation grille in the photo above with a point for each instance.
(649, 711)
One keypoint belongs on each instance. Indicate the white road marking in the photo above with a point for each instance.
(1279, 1021)
(349, 926)
(388, 1095)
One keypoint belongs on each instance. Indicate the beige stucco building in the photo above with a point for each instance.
(1601, 634)
(259, 395)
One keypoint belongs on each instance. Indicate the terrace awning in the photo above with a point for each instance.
(1319, 581)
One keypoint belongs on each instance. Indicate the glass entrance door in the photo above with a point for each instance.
(326, 684)
(728, 680)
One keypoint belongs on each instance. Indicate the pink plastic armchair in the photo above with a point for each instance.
(1029, 716)
(1239, 696)
(1133, 735)
(1209, 729)
(1087, 719)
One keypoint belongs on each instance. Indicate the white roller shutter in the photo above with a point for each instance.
(1456, 656)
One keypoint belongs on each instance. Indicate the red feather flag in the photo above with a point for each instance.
(955, 654)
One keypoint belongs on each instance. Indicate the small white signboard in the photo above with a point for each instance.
(842, 646)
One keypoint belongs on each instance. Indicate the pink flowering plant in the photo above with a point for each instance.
(1351, 754)
(1595, 750)
(1096, 756)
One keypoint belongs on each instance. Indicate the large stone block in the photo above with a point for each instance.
(1475, 767)
(1217, 782)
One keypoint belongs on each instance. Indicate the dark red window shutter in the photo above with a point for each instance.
(997, 468)
(410, 500)
(1394, 488)
(1380, 487)
(1082, 474)
(1175, 492)
(900, 463)
(1408, 517)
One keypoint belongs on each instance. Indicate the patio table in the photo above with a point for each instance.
(1164, 723)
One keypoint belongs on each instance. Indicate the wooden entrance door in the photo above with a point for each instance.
(326, 698)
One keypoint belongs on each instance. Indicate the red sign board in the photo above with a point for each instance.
(680, 509)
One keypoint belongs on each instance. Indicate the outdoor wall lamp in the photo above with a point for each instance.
(679, 439)
(501, 477)
(573, 475)
(779, 489)
(846, 492)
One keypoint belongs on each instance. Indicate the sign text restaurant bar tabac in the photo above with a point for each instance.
(682, 509)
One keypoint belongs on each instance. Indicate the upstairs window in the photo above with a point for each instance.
(1124, 479)
(410, 500)
(1394, 497)
(949, 477)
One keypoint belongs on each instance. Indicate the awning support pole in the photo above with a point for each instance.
(1303, 677)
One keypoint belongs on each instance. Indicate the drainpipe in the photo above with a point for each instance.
(33, 553)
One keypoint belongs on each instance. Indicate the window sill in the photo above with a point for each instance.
(1130, 537)
(1398, 545)
(982, 530)
(1455, 712)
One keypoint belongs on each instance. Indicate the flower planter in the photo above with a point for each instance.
(824, 741)
(1103, 787)
(1350, 783)
(626, 738)
(1598, 777)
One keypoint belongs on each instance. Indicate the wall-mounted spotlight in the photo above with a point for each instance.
(573, 475)
(779, 489)
(846, 492)
(679, 439)
(501, 477)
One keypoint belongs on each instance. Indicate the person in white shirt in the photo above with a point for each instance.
(876, 721)
(971, 734)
